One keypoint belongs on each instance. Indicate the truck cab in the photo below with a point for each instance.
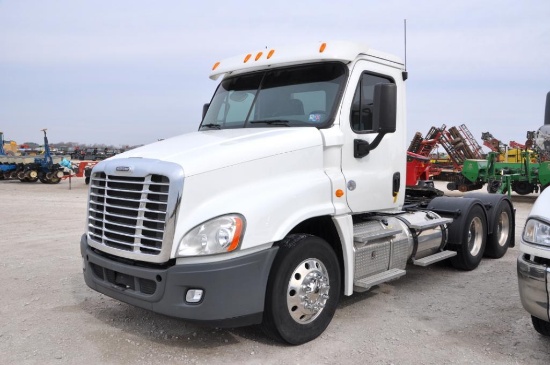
(534, 262)
(290, 194)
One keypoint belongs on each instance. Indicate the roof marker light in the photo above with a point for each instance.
(215, 66)
(270, 53)
(322, 48)
(258, 56)
(247, 58)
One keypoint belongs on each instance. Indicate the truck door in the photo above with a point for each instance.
(376, 181)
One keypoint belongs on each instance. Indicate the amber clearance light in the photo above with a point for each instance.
(237, 236)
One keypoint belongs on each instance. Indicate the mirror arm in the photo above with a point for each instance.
(362, 148)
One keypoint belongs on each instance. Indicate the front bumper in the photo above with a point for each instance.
(534, 287)
(234, 290)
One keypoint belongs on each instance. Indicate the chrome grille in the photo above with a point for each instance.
(128, 213)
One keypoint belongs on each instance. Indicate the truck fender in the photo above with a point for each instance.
(457, 209)
(491, 202)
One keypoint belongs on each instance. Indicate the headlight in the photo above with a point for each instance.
(537, 232)
(222, 234)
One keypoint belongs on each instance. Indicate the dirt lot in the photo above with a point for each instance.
(433, 315)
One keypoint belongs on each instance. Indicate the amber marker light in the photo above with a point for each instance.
(215, 66)
(247, 58)
(322, 48)
(270, 53)
(339, 193)
(258, 56)
(237, 237)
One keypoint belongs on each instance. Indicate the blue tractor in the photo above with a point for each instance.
(43, 168)
(32, 169)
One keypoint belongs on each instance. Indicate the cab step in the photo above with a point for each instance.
(370, 281)
(428, 260)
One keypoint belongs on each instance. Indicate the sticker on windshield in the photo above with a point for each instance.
(315, 117)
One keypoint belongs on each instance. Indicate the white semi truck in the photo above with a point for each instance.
(290, 194)
(534, 261)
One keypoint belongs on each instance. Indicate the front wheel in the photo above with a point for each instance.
(472, 247)
(541, 326)
(303, 290)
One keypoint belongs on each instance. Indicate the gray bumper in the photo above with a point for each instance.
(534, 287)
(234, 290)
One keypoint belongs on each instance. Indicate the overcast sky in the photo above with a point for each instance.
(129, 72)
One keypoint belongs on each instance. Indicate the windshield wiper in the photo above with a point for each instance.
(212, 125)
(271, 121)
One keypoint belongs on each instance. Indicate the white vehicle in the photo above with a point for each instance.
(291, 193)
(534, 262)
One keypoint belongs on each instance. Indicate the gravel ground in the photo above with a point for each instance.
(433, 315)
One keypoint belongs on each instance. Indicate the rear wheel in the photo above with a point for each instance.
(470, 251)
(541, 326)
(499, 241)
(523, 187)
(303, 290)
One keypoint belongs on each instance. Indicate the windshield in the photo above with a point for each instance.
(293, 96)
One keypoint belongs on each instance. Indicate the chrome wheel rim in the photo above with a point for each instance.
(307, 292)
(475, 236)
(503, 228)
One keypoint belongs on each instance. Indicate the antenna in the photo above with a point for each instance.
(405, 74)
(405, 31)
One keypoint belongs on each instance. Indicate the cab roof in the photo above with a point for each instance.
(343, 51)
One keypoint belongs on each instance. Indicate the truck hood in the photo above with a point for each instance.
(541, 208)
(203, 151)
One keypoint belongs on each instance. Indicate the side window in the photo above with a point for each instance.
(362, 105)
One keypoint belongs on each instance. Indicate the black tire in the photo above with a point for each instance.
(472, 247)
(541, 326)
(304, 271)
(493, 186)
(87, 180)
(523, 187)
(499, 241)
